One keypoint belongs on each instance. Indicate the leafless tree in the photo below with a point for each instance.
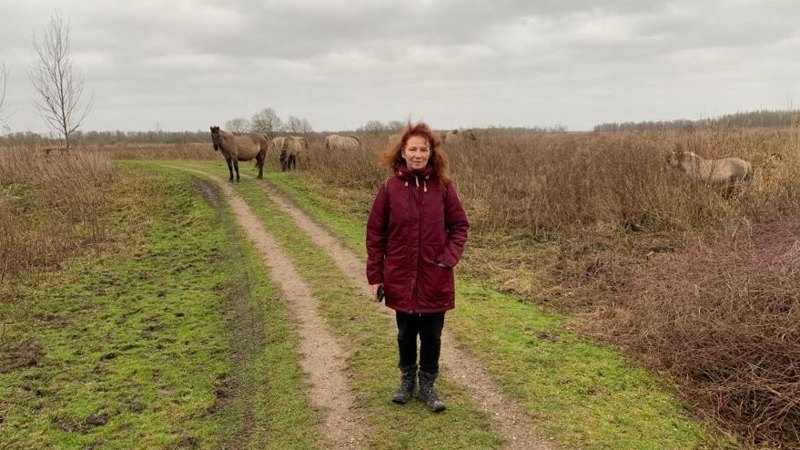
(266, 122)
(60, 91)
(298, 125)
(395, 125)
(238, 125)
(372, 127)
(305, 126)
(294, 124)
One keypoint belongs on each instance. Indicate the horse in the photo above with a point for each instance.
(337, 142)
(713, 171)
(457, 136)
(240, 148)
(292, 146)
(277, 143)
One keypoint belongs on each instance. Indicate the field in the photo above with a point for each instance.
(614, 302)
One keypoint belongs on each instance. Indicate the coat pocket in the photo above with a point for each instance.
(435, 284)
(396, 271)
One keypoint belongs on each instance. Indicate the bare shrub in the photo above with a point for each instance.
(723, 320)
(51, 204)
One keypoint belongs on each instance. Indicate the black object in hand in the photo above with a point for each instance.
(379, 294)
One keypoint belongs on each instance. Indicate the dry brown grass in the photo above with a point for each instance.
(598, 224)
(50, 205)
(698, 281)
(157, 151)
(549, 183)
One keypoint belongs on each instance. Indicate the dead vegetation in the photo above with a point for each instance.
(51, 204)
(697, 281)
(722, 319)
(158, 151)
(693, 280)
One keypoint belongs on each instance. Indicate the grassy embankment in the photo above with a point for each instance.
(164, 334)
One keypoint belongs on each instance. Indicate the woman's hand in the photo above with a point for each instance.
(373, 288)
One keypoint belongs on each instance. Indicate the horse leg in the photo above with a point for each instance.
(260, 164)
(293, 162)
(236, 166)
(230, 167)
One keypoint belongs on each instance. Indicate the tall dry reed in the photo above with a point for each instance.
(51, 204)
(721, 319)
(157, 151)
(549, 183)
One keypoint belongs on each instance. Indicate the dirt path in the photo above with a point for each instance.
(507, 418)
(322, 359)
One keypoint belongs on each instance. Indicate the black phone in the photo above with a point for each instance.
(379, 294)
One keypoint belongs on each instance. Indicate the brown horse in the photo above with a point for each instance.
(240, 148)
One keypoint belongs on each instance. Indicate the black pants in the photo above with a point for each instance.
(429, 329)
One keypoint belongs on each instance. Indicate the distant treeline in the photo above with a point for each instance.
(108, 137)
(762, 118)
(31, 139)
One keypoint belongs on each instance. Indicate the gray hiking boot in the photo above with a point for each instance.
(407, 382)
(427, 393)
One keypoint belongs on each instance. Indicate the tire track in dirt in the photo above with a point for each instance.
(322, 359)
(507, 419)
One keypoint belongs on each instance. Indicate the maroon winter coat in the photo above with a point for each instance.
(411, 229)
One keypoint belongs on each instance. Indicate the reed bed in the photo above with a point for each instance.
(550, 183)
(51, 204)
(695, 280)
(157, 151)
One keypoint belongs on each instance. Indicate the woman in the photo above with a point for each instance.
(415, 236)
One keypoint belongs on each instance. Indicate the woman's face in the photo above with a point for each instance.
(417, 152)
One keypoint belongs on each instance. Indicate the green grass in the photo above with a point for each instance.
(369, 337)
(585, 395)
(133, 344)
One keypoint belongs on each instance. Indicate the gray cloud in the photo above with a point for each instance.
(472, 63)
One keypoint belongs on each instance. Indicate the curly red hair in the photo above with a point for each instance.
(393, 156)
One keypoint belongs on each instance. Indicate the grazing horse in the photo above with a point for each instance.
(292, 146)
(457, 136)
(336, 142)
(714, 171)
(240, 148)
(277, 144)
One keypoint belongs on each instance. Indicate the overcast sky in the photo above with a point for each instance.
(188, 64)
